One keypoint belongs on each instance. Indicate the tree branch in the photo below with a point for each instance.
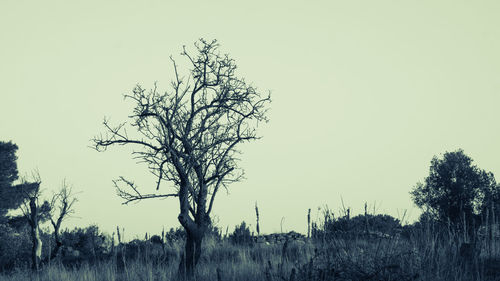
(130, 197)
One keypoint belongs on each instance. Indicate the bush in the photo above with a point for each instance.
(85, 244)
(179, 234)
(174, 235)
(241, 235)
(381, 224)
(15, 248)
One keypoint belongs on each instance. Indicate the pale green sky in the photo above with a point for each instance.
(364, 94)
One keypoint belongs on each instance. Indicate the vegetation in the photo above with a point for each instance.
(458, 192)
(423, 253)
(189, 137)
(439, 246)
(12, 195)
(241, 235)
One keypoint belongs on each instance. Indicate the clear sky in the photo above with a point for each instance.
(364, 94)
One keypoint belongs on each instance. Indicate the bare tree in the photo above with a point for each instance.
(34, 214)
(188, 136)
(61, 207)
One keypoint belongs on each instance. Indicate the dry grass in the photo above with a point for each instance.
(422, 256)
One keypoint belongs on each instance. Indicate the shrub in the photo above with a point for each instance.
(85, 244)
(241, 235)
(15, 248)
(174, 235)
(383, 224)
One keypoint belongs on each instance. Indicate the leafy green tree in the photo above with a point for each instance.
(12, 196)
(455, 191)
(24, 195)
(9, 199)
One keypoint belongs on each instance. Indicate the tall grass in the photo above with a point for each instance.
(423, 254)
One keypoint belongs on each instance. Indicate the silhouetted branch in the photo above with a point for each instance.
(188, 135)
(63, 201)
(130, 197)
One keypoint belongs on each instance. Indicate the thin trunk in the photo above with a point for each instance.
(55, 251)
(36, 253)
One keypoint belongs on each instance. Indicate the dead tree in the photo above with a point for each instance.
(34, 213)
(189, 135)
(61, 206)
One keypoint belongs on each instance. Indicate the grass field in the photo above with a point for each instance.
(422, 255)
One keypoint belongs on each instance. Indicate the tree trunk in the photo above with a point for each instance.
(191, 255)
(36, 253)
(55, 251)
(195, 231)
(56, 248)
(57, 238)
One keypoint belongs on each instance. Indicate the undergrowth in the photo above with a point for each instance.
(420, 256)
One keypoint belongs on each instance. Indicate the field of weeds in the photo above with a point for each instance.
(420, 255)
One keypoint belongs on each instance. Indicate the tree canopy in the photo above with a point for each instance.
(189, 135)
(11, 195)
(455, 190)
